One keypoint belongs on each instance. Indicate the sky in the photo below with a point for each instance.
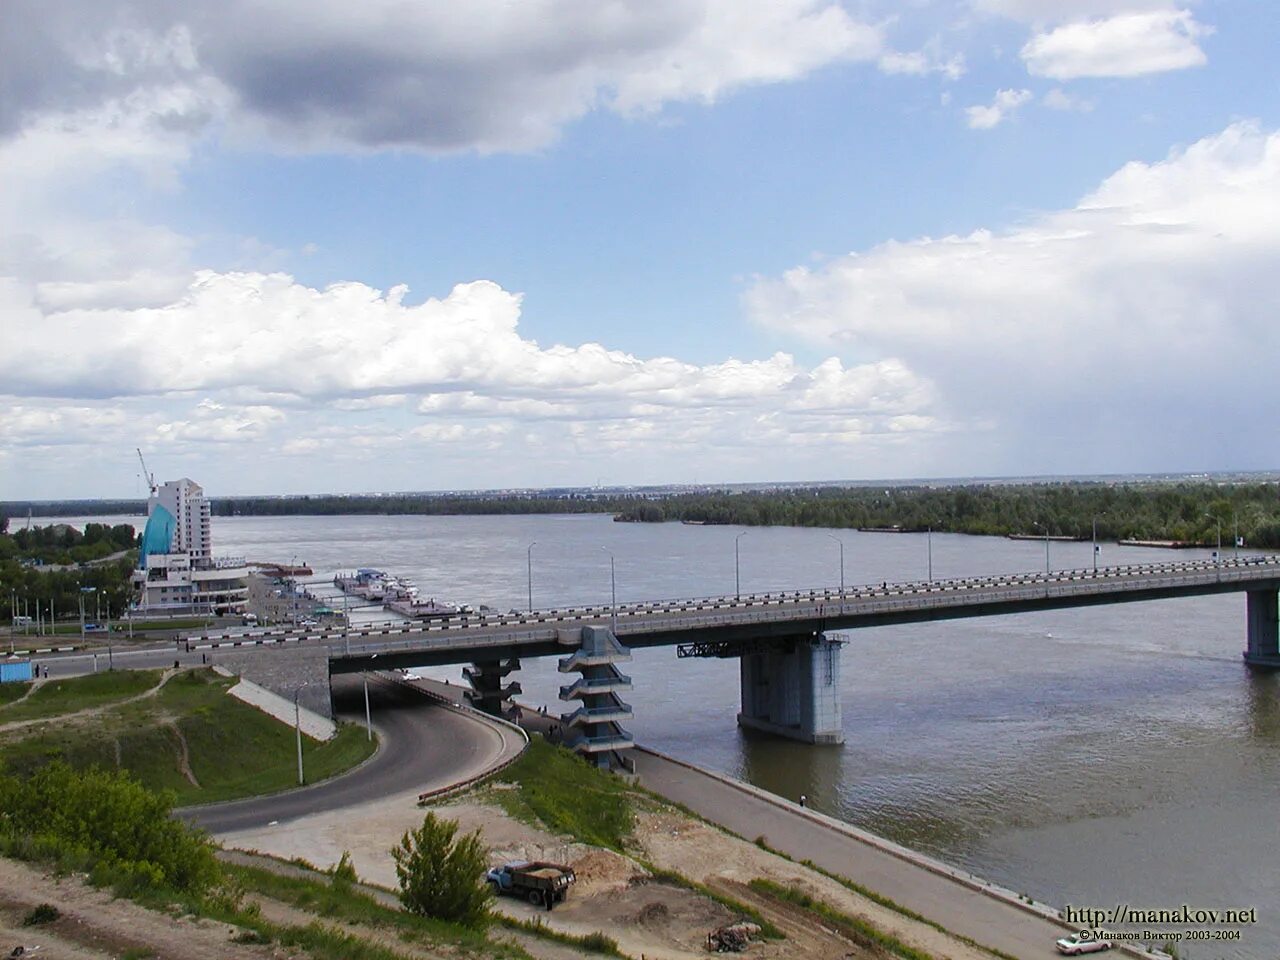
(290, 247)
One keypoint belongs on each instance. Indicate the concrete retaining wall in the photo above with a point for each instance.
(282, 670)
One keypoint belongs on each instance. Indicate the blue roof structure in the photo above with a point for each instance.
(158, 535)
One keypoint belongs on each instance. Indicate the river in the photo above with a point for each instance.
(1094, 756)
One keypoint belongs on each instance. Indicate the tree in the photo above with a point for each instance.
(441, 875)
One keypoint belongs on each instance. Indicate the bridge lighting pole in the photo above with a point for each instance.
(1235, 535)
(929, 532)
(737, 569)
(613, 589)
(1047, 571)
(841, 543)
(1095, 544)
(1217, 556)
(529, 568)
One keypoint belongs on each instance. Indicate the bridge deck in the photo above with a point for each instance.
(760, 616)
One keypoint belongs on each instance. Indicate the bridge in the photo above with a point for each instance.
(786, 642)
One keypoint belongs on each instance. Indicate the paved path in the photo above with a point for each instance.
(423, 745)
(967, 912)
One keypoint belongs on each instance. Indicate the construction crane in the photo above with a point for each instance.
(146, 475)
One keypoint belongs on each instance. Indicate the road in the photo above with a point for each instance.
(985, 920)
(423, 745)
(465, 638)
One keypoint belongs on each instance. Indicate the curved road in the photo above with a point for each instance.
(423, 745)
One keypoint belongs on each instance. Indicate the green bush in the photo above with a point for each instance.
(41, 913)
(441, 875)
(108, 823)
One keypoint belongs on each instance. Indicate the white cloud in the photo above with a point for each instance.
(929, 59)
(1126, 45)
(262, 361)
(1094, 327)
(1002, 106)
(1059, 99)
(1060, 11)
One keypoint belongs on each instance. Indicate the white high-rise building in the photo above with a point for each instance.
(187, 504)
(177, 572)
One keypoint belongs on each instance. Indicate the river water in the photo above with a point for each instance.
(1095, 756)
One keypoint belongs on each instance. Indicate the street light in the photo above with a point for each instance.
(368, 716)
(1217, 556)
(1095, 542)
(929, 532)
(841, 542)
(1047, 571)
(529, 562)
(297, 725)
(83, 591)
(613, 589)
(737, 575)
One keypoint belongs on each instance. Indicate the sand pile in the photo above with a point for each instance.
(601, 869)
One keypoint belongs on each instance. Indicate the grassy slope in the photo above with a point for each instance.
(234, 750)
(57, 697)
(559, 790)
(10, 692)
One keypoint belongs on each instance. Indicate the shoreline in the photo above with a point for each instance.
(961, 878)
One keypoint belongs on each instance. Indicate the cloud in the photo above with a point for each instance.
(1061, 11)
(928, 59)
(284, 369)
(487, 75)
(1059, 99)
(1127, 45)
(1002, 106)
(1093, 327)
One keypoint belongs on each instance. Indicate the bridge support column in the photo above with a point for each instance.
(487, 693)
(1264, 630)
(794, 693)
(594, 730)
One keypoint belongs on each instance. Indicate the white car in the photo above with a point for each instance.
(309, 624)
(1082, 942)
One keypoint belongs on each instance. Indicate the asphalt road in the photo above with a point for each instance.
(422, 744)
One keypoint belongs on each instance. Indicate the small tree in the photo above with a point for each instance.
(441, 876)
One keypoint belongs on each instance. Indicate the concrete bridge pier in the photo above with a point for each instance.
(794, 691)
(1264, 629)
(487, 693)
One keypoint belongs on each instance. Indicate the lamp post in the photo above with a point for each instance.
(1217, 554)
(83, 591)
(613, 589)
(368, 715)
(1095, 542)
(929, 532)
(1047, 571)
(737, 574)
(297, 726)
(841, 543)
(529, 568)
(1235, 536)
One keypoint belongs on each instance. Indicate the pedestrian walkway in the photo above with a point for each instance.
(803, 834)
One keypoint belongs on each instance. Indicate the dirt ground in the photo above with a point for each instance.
(614, 894)
(94, 926)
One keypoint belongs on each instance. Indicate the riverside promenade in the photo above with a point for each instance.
(942, 894)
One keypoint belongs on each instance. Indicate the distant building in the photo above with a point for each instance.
(177, 572)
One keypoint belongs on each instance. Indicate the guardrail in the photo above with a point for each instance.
(478, 631)
(461, 708)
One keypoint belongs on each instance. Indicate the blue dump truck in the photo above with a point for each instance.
(543, 884)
